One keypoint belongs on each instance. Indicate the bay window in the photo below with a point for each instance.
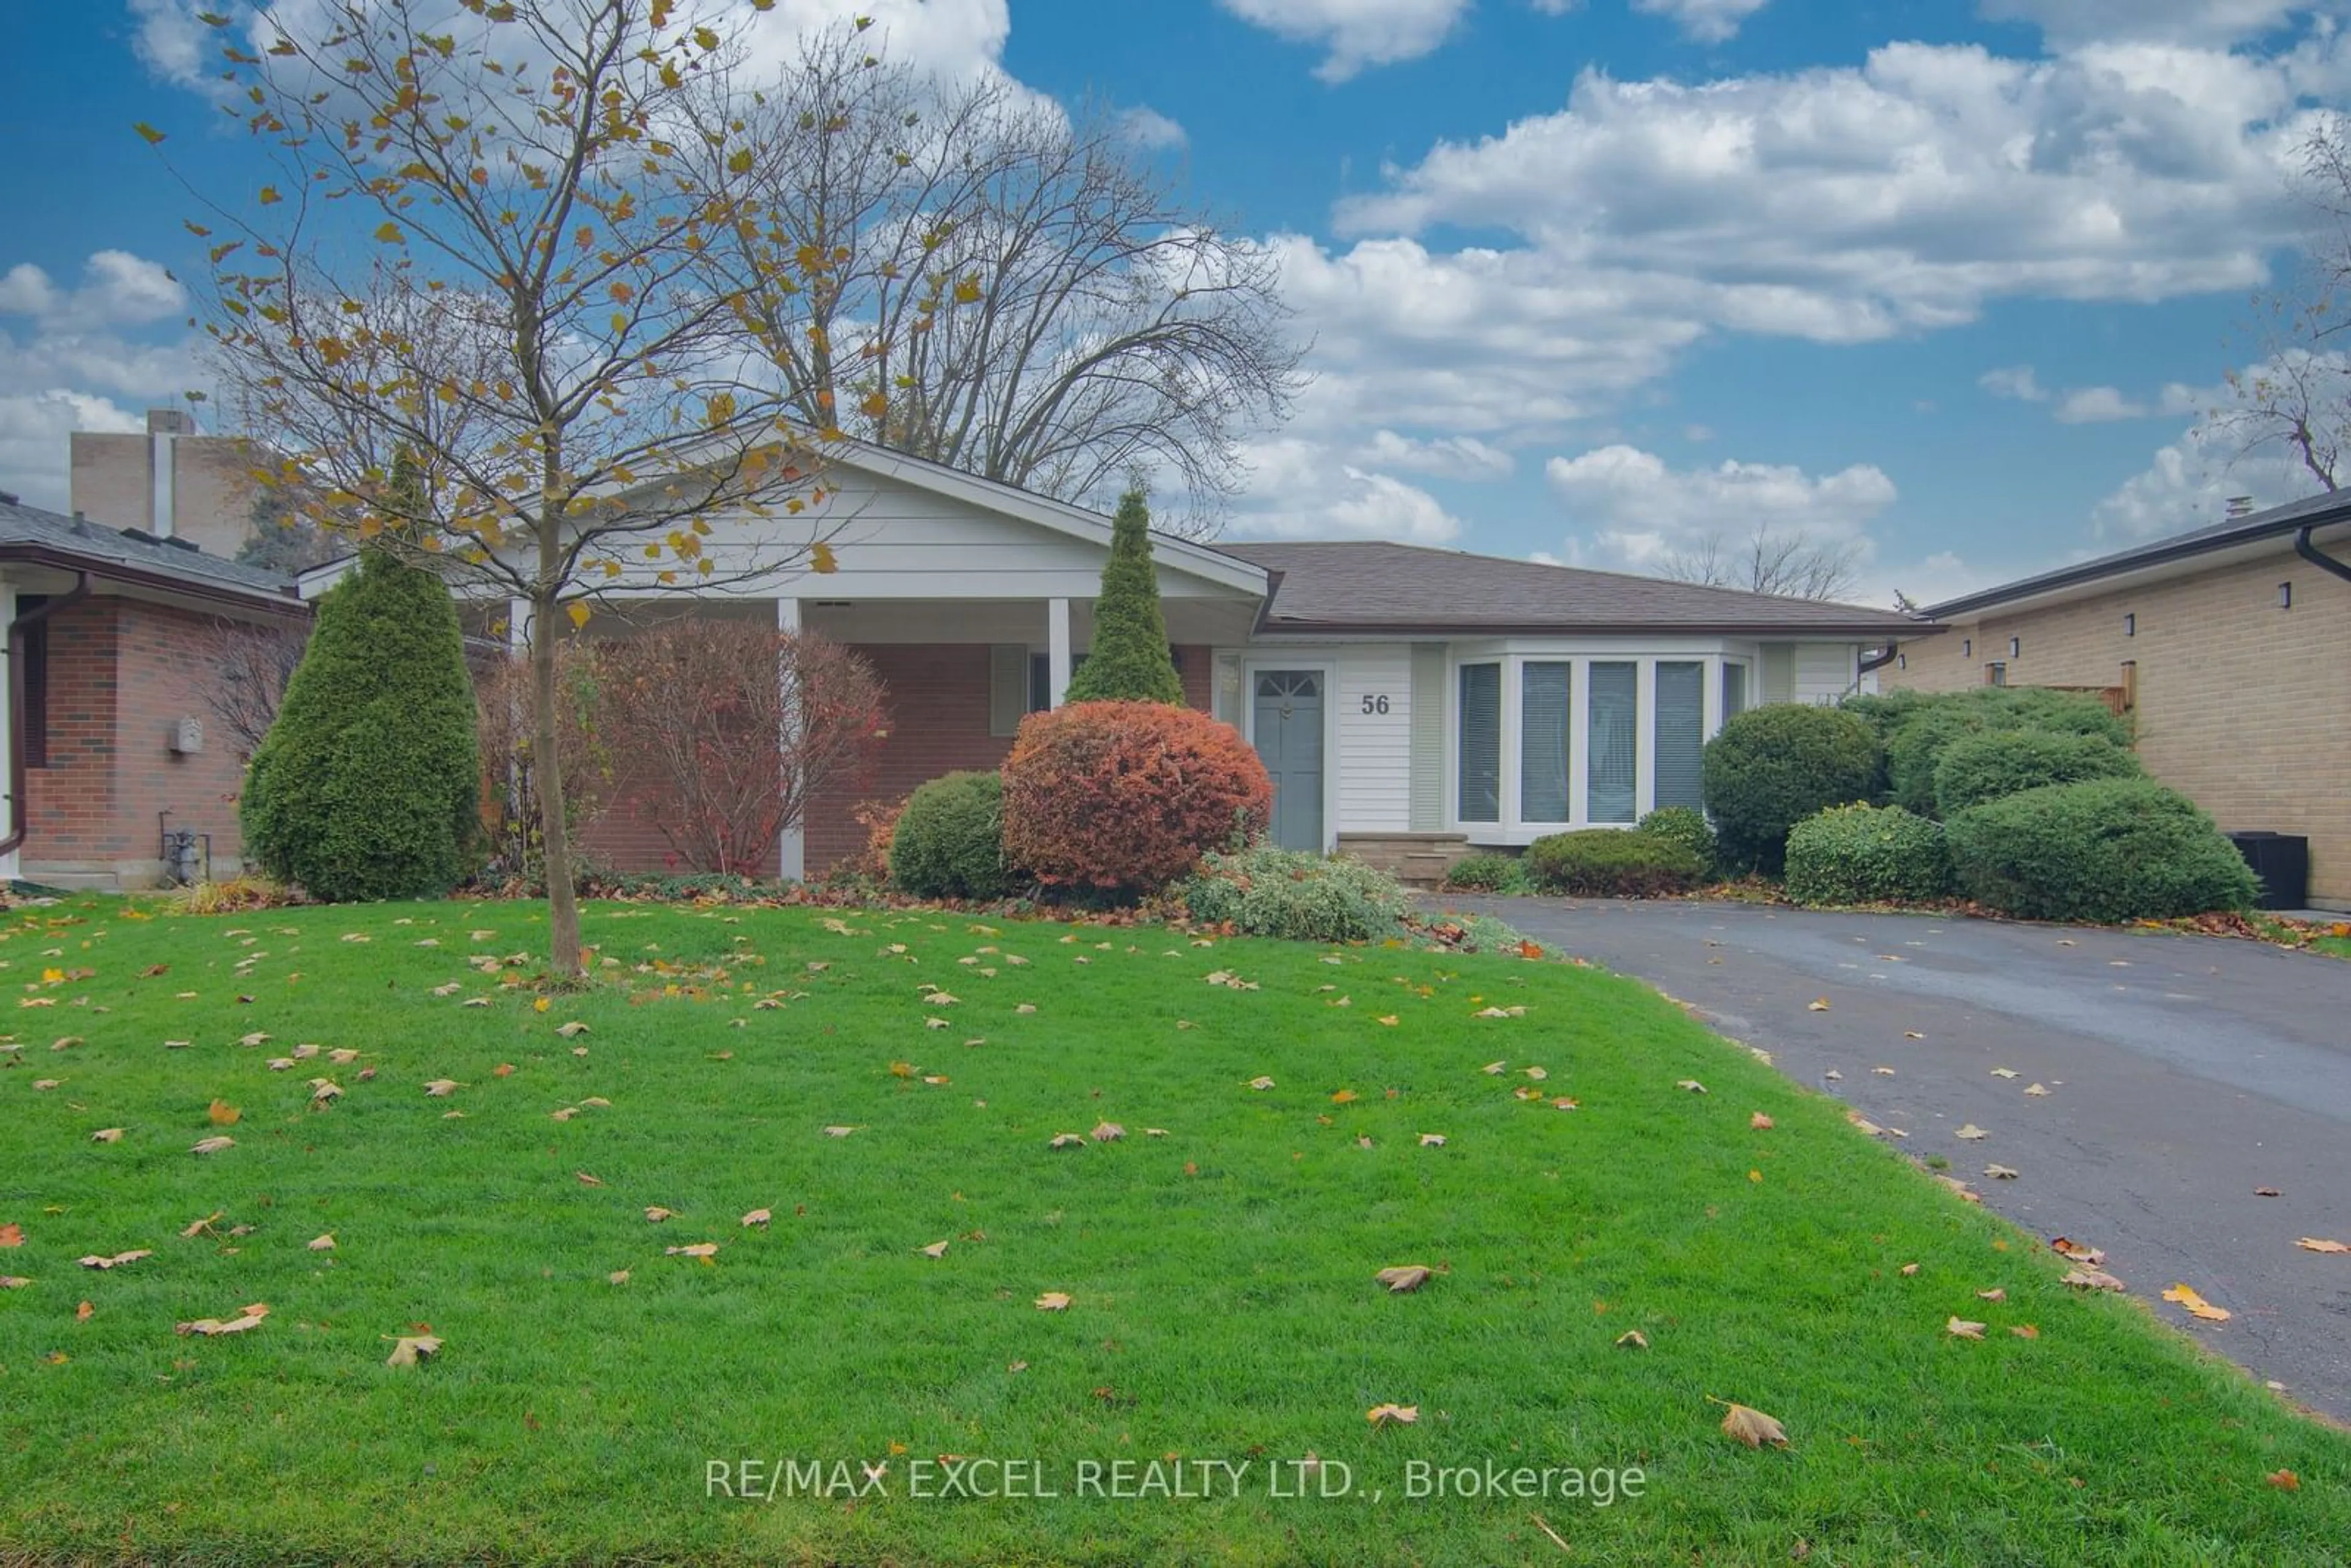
(1545, 692)
(1680, 732)
(1481, 744)
(1611, 790)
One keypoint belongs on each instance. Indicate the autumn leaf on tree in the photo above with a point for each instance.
(1404, 1278)
(1751, 1426)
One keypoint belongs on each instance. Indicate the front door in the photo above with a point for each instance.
(1287, 728)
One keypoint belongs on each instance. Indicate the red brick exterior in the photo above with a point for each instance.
(938, 708)
(119, 679)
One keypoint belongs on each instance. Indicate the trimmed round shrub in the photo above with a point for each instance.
(1914, 746)
(1610, 862)
(1307, 897)
(948, 842)
(1123, 798)
(1683, 825)
(1772, 767)
(2003, 762)
(2108, 850)
(368, 784)
(1866, 854)
(1486, 874)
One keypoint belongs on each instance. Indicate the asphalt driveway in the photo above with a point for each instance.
(2182, 1073)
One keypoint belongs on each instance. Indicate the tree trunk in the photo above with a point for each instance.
(554, 834)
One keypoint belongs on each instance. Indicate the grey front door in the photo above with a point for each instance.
(1289, 733)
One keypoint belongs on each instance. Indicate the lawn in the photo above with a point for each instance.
(1221, 1303)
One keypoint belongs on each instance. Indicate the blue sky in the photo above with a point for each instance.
(1958, 280)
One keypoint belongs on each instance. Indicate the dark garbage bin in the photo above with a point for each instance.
(2283, 863)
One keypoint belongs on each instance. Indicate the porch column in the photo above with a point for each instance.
(518, 625)
(792, 844)
(1056, 651)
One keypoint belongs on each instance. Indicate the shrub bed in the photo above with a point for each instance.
(948, 842)
(1866, 854)
(1772, 767)
(2003, 762)
(1683, 825)
(1609, 863)
(1267, 891)
(2108, 850)
(1124, 798)
(1487, 873)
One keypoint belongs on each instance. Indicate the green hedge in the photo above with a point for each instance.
(1683, 825)
(1927, 727)
(1487, 873)
(1307, 897)
(1866, 854)
(1610, 862)
(1775, 766)
(2003, 762)
(949, 841)
(2112, 849)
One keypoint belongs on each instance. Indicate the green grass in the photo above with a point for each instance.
(1223, 1301)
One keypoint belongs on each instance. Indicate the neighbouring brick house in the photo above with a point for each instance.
(2230, 645)
(107, 743)
(1409, 703)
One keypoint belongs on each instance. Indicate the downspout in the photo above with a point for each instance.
(18, 826)
(1876, 661)
(2318, 558)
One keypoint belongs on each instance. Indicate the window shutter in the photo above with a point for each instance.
(1681, 733)
(1543, 742)
(1481, 743)
(1008, 687)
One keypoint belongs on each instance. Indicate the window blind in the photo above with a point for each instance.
(1543, 741)
(1481, 743)
(1681, 733)
(1611, 777)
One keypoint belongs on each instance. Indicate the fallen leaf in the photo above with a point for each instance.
(587, 1180)
(2320, 1244)
(1067, 1140)
(1494, 1069)
(1053, 1301)
(414, 1350)
(698, 1249)
(1260, 1083)
(2065, 1246)
(1500, 1013)
(1537, 1073)
(13, 1281)
(1995, 1294)
(1909, 1269)
(442, 1088)
(2196, 1305)
(566, 1113)
(117, 1260)
(212, 1146)
(1972, 1133)
(221, 1114)
(1404, 1277)
(2036, 1090)
(1393, 1414)
(757, 1217)
(838, 1132)
(936, 1249)
(12, 1235)
(1108, 1132)
(1633, 1339)
(1432, 1140)
(82, 1313)
(2265, 1191)
(1752, 1428)
(1883, 1071)
(114, 1136)
(1817, 1005)
(243, 1323)
(2000, 1173)
(572, 1030)
(2091, 1279)
(2003, 1072)
(658, 1214)
(1960, 1328)
(2024, 1331)
(1759, 1122)
(2284, 1481)
(1691, 1084)
(1155, 1132)
(617, 1276)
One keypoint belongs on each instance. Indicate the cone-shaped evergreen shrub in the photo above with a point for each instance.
(368, 785)
(1129, 661)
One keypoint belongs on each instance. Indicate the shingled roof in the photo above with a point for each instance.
(76, 544)
(1377, 587)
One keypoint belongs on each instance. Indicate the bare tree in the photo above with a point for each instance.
(1792, 564)
(999, 287)
(242, 670)
(2298, 397)
(489, 245)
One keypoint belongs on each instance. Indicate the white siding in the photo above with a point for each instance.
(1373, 750)
(1824, 670)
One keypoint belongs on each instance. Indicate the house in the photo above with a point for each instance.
(1409, 703)
(105, 746)
(169, 482)
(2229, 646)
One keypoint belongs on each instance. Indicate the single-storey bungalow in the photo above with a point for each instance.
(2229, 646)
(1408, 702)
(115, 776)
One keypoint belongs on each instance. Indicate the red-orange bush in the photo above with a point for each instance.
(1127, 796)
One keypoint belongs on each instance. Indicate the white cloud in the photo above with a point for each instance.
(1629, 508)
(1446, 457)
(1298, 491)
(35, 429)
(2016, 381)
(2097, 406)
(1708, 21)
(2209, 22)
(2227, 453)
(1357, 32)
(1150, 129)
(118, 289)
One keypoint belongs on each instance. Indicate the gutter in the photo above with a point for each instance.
(261, 599)
(1457, 631)
(18, 825)
(2309, 552)
(1872, 662)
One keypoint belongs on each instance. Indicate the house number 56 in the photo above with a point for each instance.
(1377, 703)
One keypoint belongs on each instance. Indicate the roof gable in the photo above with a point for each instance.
(125, 555)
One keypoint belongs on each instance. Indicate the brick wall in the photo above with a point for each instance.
(121, 677)
(938, 709)
(2240, 703)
